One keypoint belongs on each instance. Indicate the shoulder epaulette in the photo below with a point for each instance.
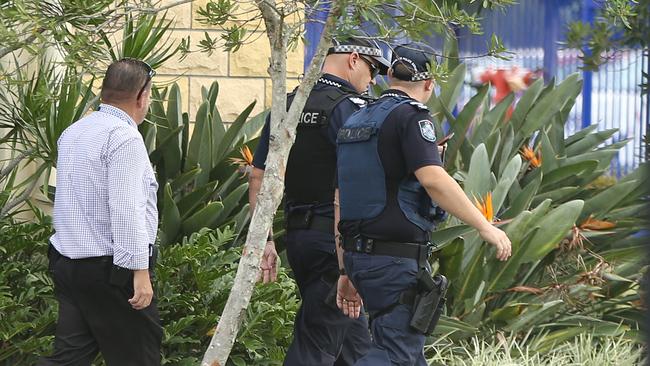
(358, 101)
(419, 106)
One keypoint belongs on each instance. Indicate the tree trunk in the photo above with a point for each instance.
(283, 126)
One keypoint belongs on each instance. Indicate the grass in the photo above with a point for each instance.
(584, 350)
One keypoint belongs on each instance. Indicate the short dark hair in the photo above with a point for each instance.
(125, 79)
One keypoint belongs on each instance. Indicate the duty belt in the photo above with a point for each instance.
(307, 220)
(360, 244)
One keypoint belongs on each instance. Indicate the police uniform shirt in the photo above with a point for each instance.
(309, 175)
(405, 144)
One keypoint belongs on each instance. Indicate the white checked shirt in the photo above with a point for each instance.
(105, 201)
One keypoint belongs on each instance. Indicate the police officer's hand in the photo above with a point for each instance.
(499, 239)
(347, 298)
(269, 263)
(142, 290)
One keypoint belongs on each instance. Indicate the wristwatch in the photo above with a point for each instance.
(342, 271)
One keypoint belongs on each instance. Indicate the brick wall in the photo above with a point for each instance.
(242, 75)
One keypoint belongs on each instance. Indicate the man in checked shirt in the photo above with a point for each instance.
(105, 221)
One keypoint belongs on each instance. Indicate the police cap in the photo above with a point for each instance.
(361, 46)
(411, 62)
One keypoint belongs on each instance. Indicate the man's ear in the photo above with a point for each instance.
(140, 101)
(429, 84)
(353, 57)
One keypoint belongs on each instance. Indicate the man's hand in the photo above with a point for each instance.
(499, 239)
(142, 290)
(347, 298)
(269, 263)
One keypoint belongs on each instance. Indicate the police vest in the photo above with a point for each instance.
(311, 166)
(361, 177)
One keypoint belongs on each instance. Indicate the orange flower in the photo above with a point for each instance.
(534, 159)
(245, 162)
(593, 224)
(485, 206)
(246, 159)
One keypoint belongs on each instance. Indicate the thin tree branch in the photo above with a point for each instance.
(162, 8)
(14, 163)
(7, 50)
(18, 200)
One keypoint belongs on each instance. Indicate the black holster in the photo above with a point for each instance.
(429, 301)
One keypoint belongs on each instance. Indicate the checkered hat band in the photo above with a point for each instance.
(421, 76)
(369, 51)
(418, 76)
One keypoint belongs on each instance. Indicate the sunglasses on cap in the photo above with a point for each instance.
(150, 73)
(374, 70)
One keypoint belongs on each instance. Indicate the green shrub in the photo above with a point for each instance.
(193, 282)
(27, 305)
(193, 279)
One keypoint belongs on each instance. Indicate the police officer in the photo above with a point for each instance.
(322, 333)
(389, 173)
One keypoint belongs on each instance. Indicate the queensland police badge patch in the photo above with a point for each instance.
(427, 131)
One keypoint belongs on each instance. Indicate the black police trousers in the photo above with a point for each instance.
(322, 336)
(95, 316)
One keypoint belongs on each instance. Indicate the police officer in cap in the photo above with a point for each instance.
(322, 332)
(389, 174)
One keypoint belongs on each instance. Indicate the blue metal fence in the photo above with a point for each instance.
(611, 97)
(533, 30)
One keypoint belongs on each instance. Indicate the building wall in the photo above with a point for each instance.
(242, 75)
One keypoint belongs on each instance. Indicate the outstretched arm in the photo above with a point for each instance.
(444, 190)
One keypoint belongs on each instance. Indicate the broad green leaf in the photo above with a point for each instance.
(589, 142)
(549, 156)
(171, 218)
(190, 202)
(206, 153)
(470, 280)
(449, 92)
(205, 217)
(608, 199)
(232, 134)
(603, 156)
(463, 121)
(555, 226)
(507, 313)
(478, 179)
(491, 120)
(505, 148)
(441, 238)
(548, 105)
(557, 195)
(580, 134)
(200, 129)
(534, 314)
(184, 179)
(231, 202)
(557, 175)
(525, 104)
(507, 178)
(523, 200)
(450, 258)
(448, 325)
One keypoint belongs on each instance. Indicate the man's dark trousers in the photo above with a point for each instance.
(380, 281)
(322, 334)
(95, 316)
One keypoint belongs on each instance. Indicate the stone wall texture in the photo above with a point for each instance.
(242, 75)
